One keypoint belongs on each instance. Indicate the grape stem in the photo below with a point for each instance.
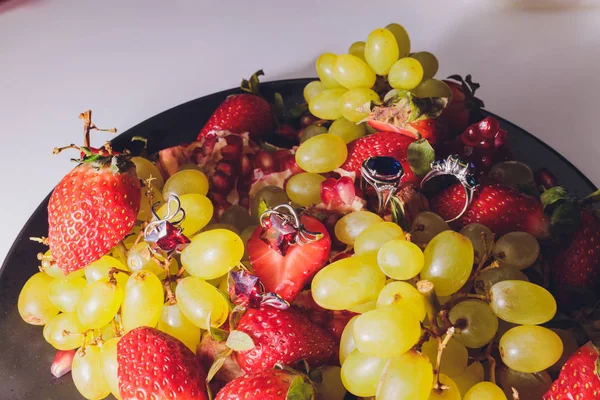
(167, 281)
(88, 126)
(515, 394)
(140, 235)
(487, 252)
(492, 362)
(43, 240)
(432, 304)
(441, 346)
(460, 296)
(113, 271)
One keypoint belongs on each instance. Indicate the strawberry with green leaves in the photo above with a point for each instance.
(93, 207)
(579, 378)
(271, 384)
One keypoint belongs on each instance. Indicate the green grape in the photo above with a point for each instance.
(173, 322)
(88, 375)
(352, 72)
(108, 356)
(351, 225)
(570, 346)
(321, 154)
(198, 212)
(514, 174)
(347, 344)
(426, 226)
(503, 327)
(34, 305)
(353, 99)
(361, 373)
(433, 88)
(188, 181)
(228, 227)
(324, 67)
(364, 307)
(529, 386)
(488, 278)
(347, 130)
(197, 299)
(517, 249)
(357, 49)
(331, 386)
(475, 322)
(454, 357)
(448, 262)
(64, 293)
(472, 375)
(386, 332)
(99, 270)
(404, 296)
(481, 238)
(146, 169)
(381, 51)
(400, 259)
(348, 282)
(140, 257)
(401, 37)
(408, 377)
(145, 212)
(485, 391)
(98, 303)
(326, 105)
(376, 235)
(429, 63)
(54, 331)
(522, 302)
(237, 216)
(311, 131)
(405, 74)
(312, 89)
(212, 254)
(305, 188)
(450, 392)
(271, 196)
(530, 348)
(142, 301)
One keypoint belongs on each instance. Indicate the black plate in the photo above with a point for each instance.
(25, 356)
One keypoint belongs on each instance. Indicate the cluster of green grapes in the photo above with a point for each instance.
(90, 309)
(349, 81)
(391, 349)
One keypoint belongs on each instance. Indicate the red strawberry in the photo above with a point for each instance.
(579, 378)
(464, 107)
(272, 384)
(282, 336)
(577, 265)
(410, 116)
(154, 365)
(239, 113)
(380, 144)
(499, 207)
(287, 274)
(92, 209)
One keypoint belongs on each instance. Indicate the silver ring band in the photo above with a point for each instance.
(383, 173)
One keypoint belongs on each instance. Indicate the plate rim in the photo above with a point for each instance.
(226, 92)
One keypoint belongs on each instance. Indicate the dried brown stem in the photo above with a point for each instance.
(88, 126)
(167, 281)
(492, 362)
(113, 271)
(441, 346)
(43, 240)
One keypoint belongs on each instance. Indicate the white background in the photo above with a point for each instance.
(128, 60)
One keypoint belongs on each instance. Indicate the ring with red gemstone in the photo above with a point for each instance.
(383, 173)
(454, 166)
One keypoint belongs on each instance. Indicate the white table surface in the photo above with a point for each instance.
(128, 60)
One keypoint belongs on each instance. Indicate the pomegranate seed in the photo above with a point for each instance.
(243, 186)
(221, 183)
(278, 157)
(216, 197)
(289, 163)
(221, 207)
(62, 362)
(486, 144)
(287, 131)
(264, 161)
(486, 161)
(231, 151)
(245, 165)
(307, 120)
(234, 139)
(470, 137)
(545, 178)
(488, 127)
(500, 138)
(225, 167)
(209, 144)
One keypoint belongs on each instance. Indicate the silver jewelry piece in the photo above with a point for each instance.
(383, 173)
(462, 171)
(285, 219)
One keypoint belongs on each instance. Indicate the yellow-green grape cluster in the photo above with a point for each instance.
(322, 153)
(517, 249)
(305, 188)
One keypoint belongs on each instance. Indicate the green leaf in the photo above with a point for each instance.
(420, 156)
(552, 196)
(218, 334)
(565, 219)
(268, 147)
(427, 108)
(262, 207)
(239, 341)
(252, 85)
(298, 110)
(278, 107)
(591, 198)
(300, 390)
(398, 214)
